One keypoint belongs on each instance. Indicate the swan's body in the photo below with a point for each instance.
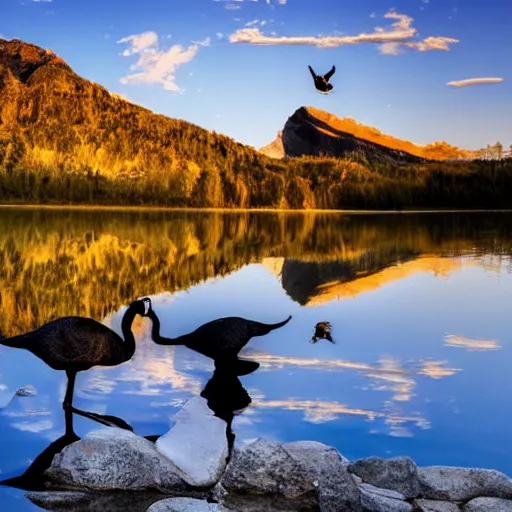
(76, 344)
(322, 81)
(218, 339)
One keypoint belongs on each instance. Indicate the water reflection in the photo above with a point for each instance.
(419, 304)
(454, 340)
(225, 394)
(55, 263)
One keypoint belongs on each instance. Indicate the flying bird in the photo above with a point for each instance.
(322, 82)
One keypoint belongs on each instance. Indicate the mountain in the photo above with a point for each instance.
(314, 132)
(67, 140)
(52, 120)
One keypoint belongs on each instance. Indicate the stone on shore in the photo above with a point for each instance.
(488, 505)
(436, 506)
(114, 458)
(398, 474)
(462, 484)
(376, 499)
(336, 487)
(183, 505)
(196, 443)
(262, 467)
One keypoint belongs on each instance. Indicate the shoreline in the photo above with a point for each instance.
(94, 207)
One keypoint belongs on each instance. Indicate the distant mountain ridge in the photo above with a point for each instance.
(313, 132)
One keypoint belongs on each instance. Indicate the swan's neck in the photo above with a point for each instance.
(155, 333)
(126, 327)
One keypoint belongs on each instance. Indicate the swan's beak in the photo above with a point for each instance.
(147, 305)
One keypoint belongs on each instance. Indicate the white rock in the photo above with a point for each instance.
(196, 443)
(436, 506)
(462, 484)
(488, 505)
(114, 458)
(183, 505)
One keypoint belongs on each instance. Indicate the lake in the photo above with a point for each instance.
(419, 306)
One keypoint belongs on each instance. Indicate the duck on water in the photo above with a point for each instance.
(75, 344)
(220, 339)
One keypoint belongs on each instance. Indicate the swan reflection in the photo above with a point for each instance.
(225, 394)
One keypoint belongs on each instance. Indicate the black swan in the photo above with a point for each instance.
(322, 82)
(75, 344)
(219, 339)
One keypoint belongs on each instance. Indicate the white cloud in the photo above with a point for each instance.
(43, 1)
(391, 39)
(232, 5)
(474, 81)
(157, 65)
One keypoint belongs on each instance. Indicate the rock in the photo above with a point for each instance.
(358, 480)
(436, 506)
(462, 484)
(375, 499)
(115, 501)
(336, 487)
(262, 467)
(183, 505)
(398, 474)
(488, 505)
(27, 390)
(114, 458)
(196, 443)
(383, 492)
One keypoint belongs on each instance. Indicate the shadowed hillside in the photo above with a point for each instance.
(313, 132)
(56, 262)
(66, 140)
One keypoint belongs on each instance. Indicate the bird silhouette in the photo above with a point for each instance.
(322, 81)
(322, 331)
(76, 344)
(219, 339)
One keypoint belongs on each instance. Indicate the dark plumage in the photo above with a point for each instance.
(218, 339)
(322, 82)
(322, 331)
(76, 344)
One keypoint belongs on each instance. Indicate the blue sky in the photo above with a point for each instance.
(240, 67)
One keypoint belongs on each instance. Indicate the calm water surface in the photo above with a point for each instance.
(419, 306)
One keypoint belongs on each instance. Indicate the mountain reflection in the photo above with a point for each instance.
(56, 262)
